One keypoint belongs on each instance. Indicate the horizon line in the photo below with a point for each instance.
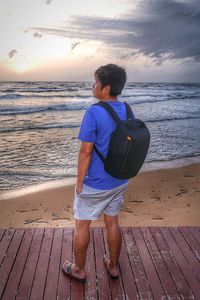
(157, 82)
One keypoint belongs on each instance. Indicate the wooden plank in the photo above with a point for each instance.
(77, 288)
(2, 231)
(33, 262)
(164, 275)
(6, 267)
(142, 283)
(116, 285)
(171, 264)
(182, 262)
(190, 256)
(15, 276)
(196, 233)
(102, 275)
(5, 242)
(90, 285)
(192, 242)
(54, 266)
(155, 284)
(66, 254)
(26, 282)
(127, 273)
(42, 266)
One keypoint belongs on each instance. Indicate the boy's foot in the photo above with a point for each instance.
(69, 269)
(114, 272)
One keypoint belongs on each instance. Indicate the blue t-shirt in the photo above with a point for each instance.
(97, 126)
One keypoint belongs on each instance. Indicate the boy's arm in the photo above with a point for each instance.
(85, 155)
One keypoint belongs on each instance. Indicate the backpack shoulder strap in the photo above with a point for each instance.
(110, 110)
(99, 154)
(129, 112)
(114, 115)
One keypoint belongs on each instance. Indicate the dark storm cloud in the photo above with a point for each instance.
(160, 29)
(12, 53)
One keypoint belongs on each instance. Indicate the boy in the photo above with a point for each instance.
(97, 192)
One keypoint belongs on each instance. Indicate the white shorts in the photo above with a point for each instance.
(91, 203)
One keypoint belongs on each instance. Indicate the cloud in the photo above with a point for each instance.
(48, 1)
(37, 35)
(160, 29)
(12, 53)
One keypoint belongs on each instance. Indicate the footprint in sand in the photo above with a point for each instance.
(128, 211)
(157, 218)
(137, 201)
(156, 198)
(182, 192)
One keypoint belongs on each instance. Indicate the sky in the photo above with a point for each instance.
(154, 40)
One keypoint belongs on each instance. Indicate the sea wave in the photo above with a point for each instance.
(32, 96)
(41, 90)
(140, 96)
(31, 110)
(69, 106)
(77, 124)
(43, 127)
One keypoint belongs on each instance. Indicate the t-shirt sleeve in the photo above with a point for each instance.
(87, 132)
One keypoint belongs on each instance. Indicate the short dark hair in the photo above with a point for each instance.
(112, 75)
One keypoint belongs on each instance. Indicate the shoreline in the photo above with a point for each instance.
(147, 167)
(160, 197)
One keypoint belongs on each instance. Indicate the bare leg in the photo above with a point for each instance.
(114, 242)
(81, 241)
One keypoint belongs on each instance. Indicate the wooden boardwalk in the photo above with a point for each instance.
(155, 263)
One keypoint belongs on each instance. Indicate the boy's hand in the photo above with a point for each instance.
(79, 188)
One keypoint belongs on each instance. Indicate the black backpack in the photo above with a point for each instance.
(128, 145)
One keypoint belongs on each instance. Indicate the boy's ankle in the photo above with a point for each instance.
(112, 265)
(79, 270)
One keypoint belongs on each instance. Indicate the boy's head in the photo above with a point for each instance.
(110, 79)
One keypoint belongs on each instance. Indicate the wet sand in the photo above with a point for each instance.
(164, 197)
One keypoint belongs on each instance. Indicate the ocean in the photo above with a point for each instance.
(39, 123)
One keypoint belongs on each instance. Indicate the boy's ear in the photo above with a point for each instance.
(107, 89)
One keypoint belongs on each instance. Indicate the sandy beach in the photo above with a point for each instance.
(164, 197)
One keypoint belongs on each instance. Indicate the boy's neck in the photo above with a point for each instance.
(109, 98)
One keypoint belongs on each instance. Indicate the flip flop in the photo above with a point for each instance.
(67, 269)
(106, 261)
